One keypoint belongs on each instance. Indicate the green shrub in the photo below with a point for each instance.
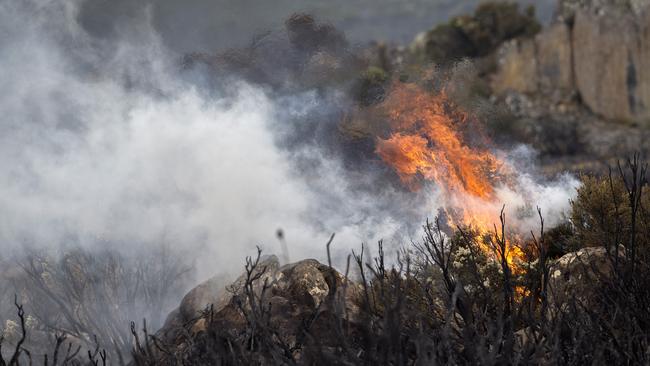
(369, 86)
(480, 34)
(602, 216)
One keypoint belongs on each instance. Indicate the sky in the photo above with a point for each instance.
(209, 25)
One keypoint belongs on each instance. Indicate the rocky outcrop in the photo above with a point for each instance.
(599, 50)
(306, 313)
(295, 293)
(612, 63)
(542, 64)
(576, 273)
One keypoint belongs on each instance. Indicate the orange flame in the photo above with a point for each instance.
(431, 139)
(426, 140)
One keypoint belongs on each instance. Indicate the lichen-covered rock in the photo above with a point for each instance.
(577, 273)
(208, 292)
(305, 282)
(295, 292)
(214, 291)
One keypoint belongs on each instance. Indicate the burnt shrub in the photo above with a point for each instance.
(459, 300)
(447, 299)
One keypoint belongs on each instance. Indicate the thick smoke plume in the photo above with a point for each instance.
(105, 145)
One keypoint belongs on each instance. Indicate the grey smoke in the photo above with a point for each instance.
(104, 142)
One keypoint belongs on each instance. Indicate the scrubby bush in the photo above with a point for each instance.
(89, 298)
(453, 300)
(602, 213)
(448, 301)
(495, 22)
(369, 87)
(479, 34)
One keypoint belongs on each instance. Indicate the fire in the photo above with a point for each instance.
(426, 142)
(430, 139)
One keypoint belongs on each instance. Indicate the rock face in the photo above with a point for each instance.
(599, 50)
(542, 64)
(612, 63)
(296, 294)
(575, 273)
(517, 58)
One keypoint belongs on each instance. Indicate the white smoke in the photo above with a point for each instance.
(530, 191)
(520, 198)
(101, 144)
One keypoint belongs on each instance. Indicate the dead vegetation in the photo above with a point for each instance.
(444, 301)
(83, 302)
(429, 309)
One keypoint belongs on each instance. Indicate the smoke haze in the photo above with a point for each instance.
(105, 143)
(104, 146)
